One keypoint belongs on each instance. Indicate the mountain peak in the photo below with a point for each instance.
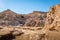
(8, 11)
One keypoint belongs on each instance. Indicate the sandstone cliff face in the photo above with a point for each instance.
(53, 18)
(35, 19)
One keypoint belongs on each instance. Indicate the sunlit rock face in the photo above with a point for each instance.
(53, 18)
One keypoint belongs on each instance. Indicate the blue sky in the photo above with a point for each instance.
(27, 6)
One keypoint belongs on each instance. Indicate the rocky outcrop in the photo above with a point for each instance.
(52, 24)
(9, 17)
(35, 19)
(53, 18)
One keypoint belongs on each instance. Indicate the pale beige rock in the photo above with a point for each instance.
(53, 18)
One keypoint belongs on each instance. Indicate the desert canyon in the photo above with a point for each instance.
(33, 26)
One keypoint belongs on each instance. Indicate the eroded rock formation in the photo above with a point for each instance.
(51, 31)
(35, 19)
(53, 18)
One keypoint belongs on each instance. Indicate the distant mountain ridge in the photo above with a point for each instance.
(9, 17)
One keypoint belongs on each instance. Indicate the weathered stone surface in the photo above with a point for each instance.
(9, 17)
(53, 18)
(7, 34)
(17, 33)
(36, 19)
